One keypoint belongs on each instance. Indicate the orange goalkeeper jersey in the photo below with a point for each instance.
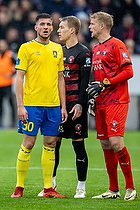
(111, 60)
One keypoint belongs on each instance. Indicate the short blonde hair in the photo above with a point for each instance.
(103, 17)
(72, 22)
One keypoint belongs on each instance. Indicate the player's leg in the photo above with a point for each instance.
(23, 162)
(117, 143)
(51, 122)
(48, 162)
(111, 161)
(125, 164)
(81, 165)
(48, 159)
(30, 130)
(57, 148)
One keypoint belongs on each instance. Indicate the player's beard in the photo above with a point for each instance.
(44, 38)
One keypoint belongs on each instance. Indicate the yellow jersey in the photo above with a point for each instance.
(41, 62)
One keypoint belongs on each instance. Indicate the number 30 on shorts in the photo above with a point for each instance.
(28, 126)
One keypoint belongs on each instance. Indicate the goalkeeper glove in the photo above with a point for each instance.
(91, 107)
(95, 88)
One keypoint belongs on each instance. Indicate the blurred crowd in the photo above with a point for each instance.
(17, 19)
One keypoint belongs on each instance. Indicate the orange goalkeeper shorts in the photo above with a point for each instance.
(110, 120)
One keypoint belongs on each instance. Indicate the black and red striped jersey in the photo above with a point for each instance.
(77, 62)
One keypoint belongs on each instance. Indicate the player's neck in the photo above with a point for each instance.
(43, 41)
(103, 37)
(71, 42)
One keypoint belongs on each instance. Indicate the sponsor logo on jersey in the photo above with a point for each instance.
(98, 52)
(38, 53)
(88, 61)
(71, 59)
(105, 51)
(66, 71)
(97, 65)
(18, 61)
(78, 128)
(66, 74)
(55, 54)
(124, 55)
(64, 58)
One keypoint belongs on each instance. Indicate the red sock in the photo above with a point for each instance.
(125, 164)
(111, 165)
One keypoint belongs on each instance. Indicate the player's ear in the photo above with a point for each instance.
(52, 28)
(35, 27)
(72, 30)
(102, 25)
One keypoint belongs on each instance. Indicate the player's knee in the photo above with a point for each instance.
(79, 148)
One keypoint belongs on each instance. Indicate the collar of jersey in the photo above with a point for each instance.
(41, 42)
(106, 40)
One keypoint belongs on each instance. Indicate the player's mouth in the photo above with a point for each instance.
(45, 32)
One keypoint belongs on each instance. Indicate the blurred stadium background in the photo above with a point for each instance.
(17, 26)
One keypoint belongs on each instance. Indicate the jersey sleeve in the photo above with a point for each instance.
(61, 62)
(85, 67)
(22, 58)
(121, 54)
(122, 57)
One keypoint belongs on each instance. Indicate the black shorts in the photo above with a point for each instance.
(75, 129)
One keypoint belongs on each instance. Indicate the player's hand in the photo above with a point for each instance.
(64, 115)
(95, 88)
(91, 107)
(77, 109)
(23, 114)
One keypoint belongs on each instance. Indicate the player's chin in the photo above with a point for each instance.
(92, 35)
(60, 38)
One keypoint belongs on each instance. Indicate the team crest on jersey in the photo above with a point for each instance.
(71, 59)
(105, 51)
(55, 54)
(124, 55)
(114, 123)
(78, 128)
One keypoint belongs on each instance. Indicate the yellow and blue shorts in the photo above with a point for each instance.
(47, 119)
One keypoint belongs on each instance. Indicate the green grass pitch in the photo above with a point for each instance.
(97, 179)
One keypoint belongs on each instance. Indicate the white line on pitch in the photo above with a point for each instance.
(65, 169)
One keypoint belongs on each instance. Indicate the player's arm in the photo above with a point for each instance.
(125, 74)
(85, 68)
(95, 88)
(62, 95)
(82, 96)
(122, 57)
(22, 113)
(77, 110)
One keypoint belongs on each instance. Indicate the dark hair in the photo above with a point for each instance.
(42, 15)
